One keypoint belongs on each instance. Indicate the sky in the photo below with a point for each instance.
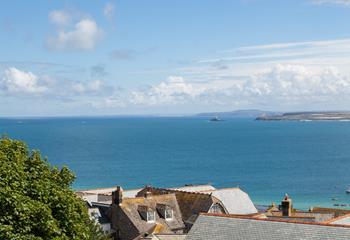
(132, 57)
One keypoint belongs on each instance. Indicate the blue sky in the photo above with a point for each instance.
(173, 57)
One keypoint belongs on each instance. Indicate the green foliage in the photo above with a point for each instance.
(97, 233)
(36, 200)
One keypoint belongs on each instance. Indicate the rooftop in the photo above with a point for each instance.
(219, 226)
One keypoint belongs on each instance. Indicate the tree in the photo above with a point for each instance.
(97, 233)
(36, 199)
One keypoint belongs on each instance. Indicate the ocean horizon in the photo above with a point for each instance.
(307, 160)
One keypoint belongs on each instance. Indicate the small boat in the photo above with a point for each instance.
(348, 191)
(215, 119)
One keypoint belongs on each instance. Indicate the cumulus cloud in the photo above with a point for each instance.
(108, 10)
(172, 91)
(288, 83)
(17, 81)
(94, 87)
(83, 35)
(59, 17)
(284, 84)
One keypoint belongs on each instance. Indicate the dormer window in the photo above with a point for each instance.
(165, 211)
(151, 216)
(148, 214)
(216, 208)
(168, 214)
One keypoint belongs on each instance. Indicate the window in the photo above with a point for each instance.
(216, 208)
(151, 216)
(168, 214)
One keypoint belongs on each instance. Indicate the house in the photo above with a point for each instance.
(97, 212)
(234, 200)
(130, 215)
(231, 227)
(285, 211)
(134, 218)
(104, 195)
(337, 212)
(207, 200)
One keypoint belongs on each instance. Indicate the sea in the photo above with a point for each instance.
(310, 161)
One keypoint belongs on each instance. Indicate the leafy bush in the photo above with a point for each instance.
(36, 200)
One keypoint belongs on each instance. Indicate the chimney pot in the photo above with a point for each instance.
(286, 206)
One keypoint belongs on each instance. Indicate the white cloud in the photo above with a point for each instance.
(90, 87)
(337, 2)
(281, 85)
(59, 17)
(83, 36)
(17, 81)
(108, 10)
(283, 76)
(288, 83)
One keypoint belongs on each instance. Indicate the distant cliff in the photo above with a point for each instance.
(307, 116)
(251, 113)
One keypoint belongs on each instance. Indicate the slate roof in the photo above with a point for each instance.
(305, 216)
(341, 220)
(235, 200)
(103, 209)
(190, 203)
(195, 188)
(336, 211)
(226, 227)
(127, 217)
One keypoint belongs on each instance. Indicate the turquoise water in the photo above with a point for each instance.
(308, 160)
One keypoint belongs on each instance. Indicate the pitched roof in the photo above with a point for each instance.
(190, 203)
(102, 208)
(131, 207)
(235, 200)
(336, 211)
(305, 216)
(342, 220)
(223, 227)
(195, 188)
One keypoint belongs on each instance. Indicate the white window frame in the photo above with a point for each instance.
(151, 216)
(171, 213)
(216, 208)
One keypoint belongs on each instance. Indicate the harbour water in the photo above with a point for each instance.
(308, 160)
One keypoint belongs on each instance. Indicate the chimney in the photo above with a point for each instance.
(148, 194)
(286, 206)
(117, 196)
